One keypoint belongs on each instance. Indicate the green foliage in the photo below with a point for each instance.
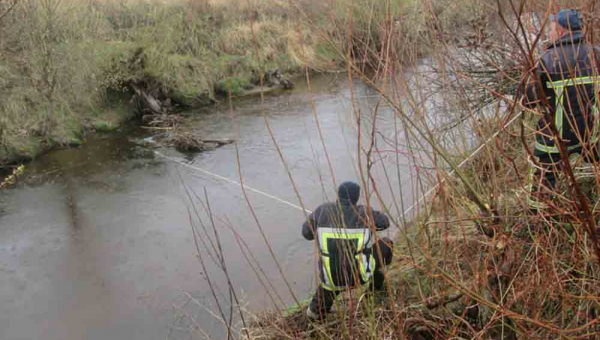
(105, 126)
(17, 147)
(113, 115)
(233, 85)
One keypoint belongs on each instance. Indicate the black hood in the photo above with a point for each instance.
(348, 193)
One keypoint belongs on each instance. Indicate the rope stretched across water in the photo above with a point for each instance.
(260, 192)
(460, 165)
(225, 179)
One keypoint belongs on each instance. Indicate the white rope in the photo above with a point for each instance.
(230, 181)
(409, 209)
(459, 166)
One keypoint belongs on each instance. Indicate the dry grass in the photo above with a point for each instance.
(12, 177)
(187, 49)
(53, 83)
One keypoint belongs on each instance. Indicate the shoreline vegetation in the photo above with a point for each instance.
(474, 262)
(71, 66)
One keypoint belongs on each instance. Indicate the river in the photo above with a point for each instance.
(96, 242)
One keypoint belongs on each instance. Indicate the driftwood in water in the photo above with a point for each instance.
(185, 142)
(219, 142)
(162, 121)
(272, 79)
(189, 142)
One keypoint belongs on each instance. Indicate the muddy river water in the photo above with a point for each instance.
(96, 243)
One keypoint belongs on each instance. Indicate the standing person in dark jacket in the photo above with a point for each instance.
(349, 256)
(567, 88)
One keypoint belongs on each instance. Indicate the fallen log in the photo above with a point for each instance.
(145, 102)
(219, 142)
(188, 142)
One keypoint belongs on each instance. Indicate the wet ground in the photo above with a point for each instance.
(98, 243)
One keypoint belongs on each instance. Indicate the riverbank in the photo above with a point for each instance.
(73, 66)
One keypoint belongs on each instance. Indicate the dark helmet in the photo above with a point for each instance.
(349, 192)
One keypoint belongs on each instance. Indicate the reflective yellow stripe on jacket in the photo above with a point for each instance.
(559, 89)
(363, 238)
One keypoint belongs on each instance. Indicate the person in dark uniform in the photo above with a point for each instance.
(566, 89)
(349, 255)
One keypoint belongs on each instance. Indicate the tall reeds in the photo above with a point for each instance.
(472, 260)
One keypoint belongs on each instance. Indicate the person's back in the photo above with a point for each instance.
(565, 87)
(568, 73)
(343, 215)
(344, 232)
(568, 77)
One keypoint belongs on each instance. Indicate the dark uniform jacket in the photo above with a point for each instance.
(344, 262)
(331, 215)
(567, 72)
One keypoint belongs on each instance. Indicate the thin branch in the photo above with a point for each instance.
(9, 9)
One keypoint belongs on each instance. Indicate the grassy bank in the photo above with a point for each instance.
(70, 65)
